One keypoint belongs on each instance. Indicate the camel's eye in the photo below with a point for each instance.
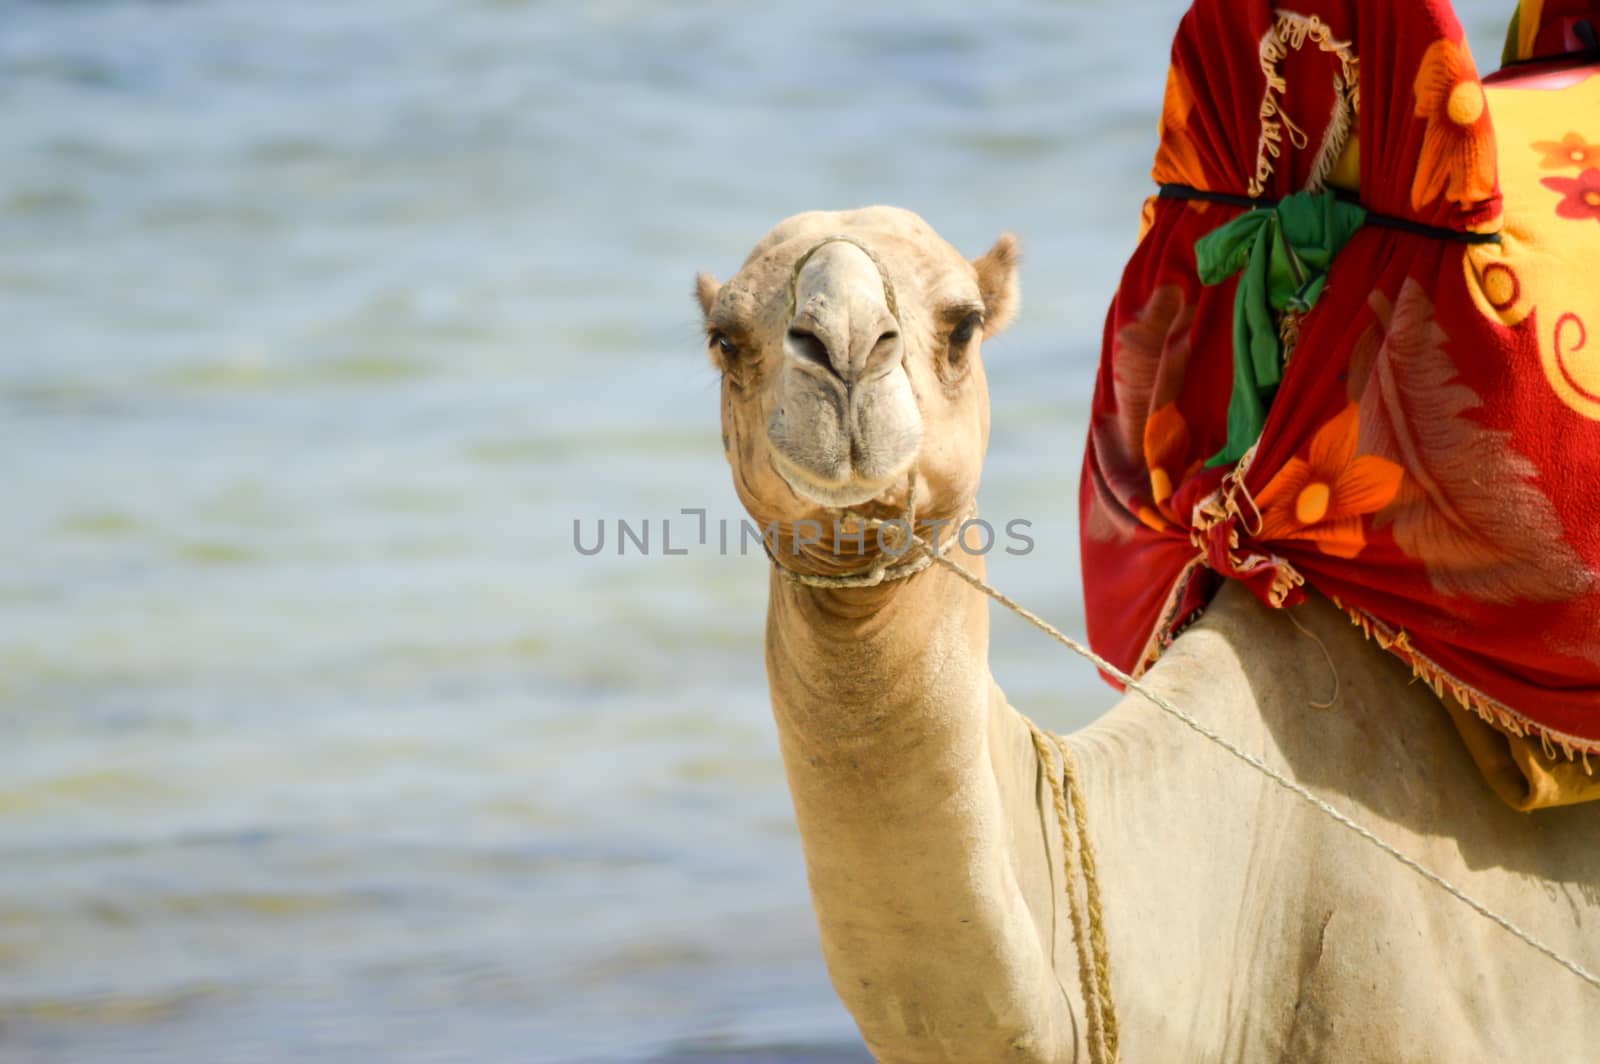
(723, 349)
(961, 336)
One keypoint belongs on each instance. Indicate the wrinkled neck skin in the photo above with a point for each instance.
(1242, 926)
(916, 791)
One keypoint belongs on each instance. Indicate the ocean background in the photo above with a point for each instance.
(321, 323)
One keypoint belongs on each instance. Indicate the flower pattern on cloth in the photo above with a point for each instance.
(1323, 497)
(1582, 195)
(1169, 455)
(1428, 455)
(1177, 161)
(1570, 150)
(1458, 150)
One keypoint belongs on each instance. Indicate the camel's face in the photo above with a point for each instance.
(851, 364)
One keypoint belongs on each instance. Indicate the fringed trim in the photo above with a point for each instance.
(1335, 139)
(1397, 642)
(1224, 503)
(1232, 504)
(1289, 32)
(1286, 579)
(1492, 711)
(1168, 625)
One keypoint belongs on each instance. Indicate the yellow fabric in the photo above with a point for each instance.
(1524, 29)
(1346, 172)
(1545, 262)
(1517, 768)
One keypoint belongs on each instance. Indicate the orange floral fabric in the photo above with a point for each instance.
(1429, 458)
(1458, 150)
(1168, 452)
(1324, 497)
(1571, 150)
(1177, 160)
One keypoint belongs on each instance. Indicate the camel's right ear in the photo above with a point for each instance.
(997, 283)
(706, 288)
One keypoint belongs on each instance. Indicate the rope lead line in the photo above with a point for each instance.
(1161, 703)
(1167, 707)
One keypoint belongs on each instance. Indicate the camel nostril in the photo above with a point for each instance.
(885, 350)
(808, 347)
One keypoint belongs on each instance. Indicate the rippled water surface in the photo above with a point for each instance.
(320, 324)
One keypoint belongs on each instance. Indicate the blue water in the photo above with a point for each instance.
(320, 325)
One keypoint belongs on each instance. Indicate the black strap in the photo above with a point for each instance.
(1381, 221)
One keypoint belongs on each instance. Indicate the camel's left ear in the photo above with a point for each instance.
(997, 282)
(706, 288)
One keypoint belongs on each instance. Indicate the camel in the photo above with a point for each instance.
(1240, 924)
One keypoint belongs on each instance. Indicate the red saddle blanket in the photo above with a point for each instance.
(1390, 394)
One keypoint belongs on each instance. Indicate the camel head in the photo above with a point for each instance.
(849, 350)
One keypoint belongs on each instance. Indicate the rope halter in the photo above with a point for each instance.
(905, 553)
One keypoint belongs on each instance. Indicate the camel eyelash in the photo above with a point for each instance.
(966, 328)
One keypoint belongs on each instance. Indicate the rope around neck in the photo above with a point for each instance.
(1088, 929)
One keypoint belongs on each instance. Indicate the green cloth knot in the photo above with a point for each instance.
(1284, 252)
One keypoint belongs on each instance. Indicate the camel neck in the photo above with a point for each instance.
(887, 663)
(915, 789)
